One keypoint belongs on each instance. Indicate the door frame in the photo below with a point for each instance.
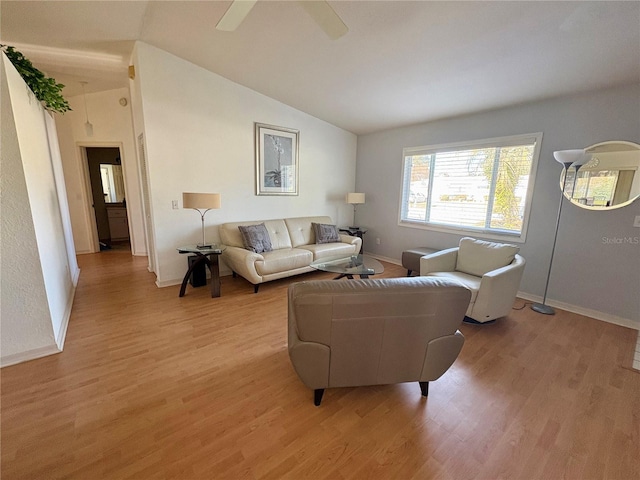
(89, 212)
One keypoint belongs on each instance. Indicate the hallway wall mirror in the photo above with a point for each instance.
(112, 183)
(611, 179)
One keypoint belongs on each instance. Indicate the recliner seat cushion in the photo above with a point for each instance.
(470, 281)
(477, 257)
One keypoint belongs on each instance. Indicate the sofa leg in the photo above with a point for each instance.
(256, 287)
(233, 274)
(409, 273)
(424, 388)
(317, 396)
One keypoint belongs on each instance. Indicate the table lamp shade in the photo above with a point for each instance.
(355, 198)
(201, 200)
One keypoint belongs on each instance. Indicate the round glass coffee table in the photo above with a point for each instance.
(348, 266)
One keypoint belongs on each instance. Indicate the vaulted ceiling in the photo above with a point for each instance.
(400, 62)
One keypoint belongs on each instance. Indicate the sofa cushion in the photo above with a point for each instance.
(282, 260)
(325, 250)
(255, 238)
(477, 257)
(325, 233)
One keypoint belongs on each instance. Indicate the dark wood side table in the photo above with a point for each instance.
(355, 232)
(210, 257)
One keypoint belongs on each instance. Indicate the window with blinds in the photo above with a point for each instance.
(481, 187)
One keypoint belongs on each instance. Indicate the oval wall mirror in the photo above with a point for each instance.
(611, 179)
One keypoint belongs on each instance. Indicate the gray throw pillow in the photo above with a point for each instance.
(256, 238)
(325, 233)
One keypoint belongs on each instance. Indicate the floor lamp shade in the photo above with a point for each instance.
(202, 202)
(572, 157)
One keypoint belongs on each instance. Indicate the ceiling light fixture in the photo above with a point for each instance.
(88, 125)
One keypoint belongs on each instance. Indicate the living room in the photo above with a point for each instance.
(198, 132)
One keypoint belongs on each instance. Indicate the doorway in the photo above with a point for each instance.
(108, 197)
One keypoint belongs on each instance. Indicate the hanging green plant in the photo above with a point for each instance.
(45, 88)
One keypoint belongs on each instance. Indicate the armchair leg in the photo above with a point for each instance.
(409, 273)
(317, 396)
(256, 287)
(424, 388)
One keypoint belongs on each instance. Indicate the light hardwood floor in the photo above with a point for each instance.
(155, 386)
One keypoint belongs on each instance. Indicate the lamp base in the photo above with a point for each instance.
(203, 246)
(542, 308)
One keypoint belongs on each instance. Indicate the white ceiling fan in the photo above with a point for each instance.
(319, 10)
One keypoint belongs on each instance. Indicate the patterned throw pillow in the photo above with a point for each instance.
(256, 238)
(325, 233)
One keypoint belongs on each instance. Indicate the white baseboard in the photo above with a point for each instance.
(605, 317)
(177, 281)
(28, 355)
(587, 312)
(74, 277)
(62, 332)
(595, 314)
(168, 283)
(384, 259)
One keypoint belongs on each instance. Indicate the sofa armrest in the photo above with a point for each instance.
(351, 240)
(310, 357)
(243, 262)
(442, 261)
(498, 290)
(441, 353)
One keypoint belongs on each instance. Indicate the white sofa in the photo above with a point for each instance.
(492, 271)
(294, 248)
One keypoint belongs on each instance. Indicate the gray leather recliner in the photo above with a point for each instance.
(375, 331)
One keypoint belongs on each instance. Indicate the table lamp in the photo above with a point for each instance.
(202, 202)
(355, 199)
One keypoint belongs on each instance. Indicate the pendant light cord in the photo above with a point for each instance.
(86, 112)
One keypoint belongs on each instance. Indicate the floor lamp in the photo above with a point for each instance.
(568, 158)
(202, 202)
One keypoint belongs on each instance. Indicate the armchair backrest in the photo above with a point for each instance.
(477, 257)
(379, 331)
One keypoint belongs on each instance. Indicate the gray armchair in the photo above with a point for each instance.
(374, 332)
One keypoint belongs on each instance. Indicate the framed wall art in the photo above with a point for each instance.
(276, 160)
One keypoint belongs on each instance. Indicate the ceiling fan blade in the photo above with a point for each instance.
(326, 18)
(235, 14)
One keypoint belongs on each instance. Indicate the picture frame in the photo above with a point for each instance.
(277, 167)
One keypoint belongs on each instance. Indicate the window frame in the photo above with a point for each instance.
(496, 234)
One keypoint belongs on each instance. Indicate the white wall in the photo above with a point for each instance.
(112, 127)
(38, 278)
(589, 275)
(199, 132)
